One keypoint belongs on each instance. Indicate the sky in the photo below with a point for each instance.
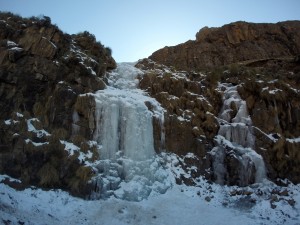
(134, 29)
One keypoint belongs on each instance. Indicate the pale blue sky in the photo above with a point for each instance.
(136, 28)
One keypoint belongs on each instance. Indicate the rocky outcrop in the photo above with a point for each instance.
(232, 43)
(43, 73)
(263, 61)
(273, 103)
(193, 102)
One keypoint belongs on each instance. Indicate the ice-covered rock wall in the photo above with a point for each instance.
(123, 120)
(124, 133)
(234, 160)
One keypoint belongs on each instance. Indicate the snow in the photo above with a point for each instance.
(73, 149)
(20, 115)
(10, 121)
(11, 44)
(83, 58)
(50, 42)
(16, 49)
(203, 204)
(36, 143)
(31, 128)
(293, 140)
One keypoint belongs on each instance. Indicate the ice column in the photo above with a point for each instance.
(235, 138)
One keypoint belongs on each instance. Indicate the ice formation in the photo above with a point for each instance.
(235, 138)
(124, 134)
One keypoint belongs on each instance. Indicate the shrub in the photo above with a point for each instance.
(60, 134)
(108, 51)
(82, 176)
(215, 76)
(49, 176)
(38, 109)
(78, 139)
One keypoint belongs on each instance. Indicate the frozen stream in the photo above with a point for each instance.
(236, 142)
(124, 134)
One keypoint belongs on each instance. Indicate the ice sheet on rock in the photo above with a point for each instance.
(127, 125)
(130, 180)
(124, 130)
(123, 119)
(124, 76)
(235, 137)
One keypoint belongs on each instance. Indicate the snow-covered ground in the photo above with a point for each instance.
(203, 204)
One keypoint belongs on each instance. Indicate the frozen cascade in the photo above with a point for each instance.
(235, 139)
(128, 168)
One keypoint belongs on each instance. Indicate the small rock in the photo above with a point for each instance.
(291, 202)
(273, 206)
(284, 193)
(207, 198)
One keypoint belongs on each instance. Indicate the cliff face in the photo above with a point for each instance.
(224, 115)
(261, 61)
(43, 72)
(232, 43)
(201, 116)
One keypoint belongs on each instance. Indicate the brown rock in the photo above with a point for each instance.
(41, 79)
(232, 43)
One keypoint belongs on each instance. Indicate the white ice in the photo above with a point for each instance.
(124, 132)
(180, 205)
(236, 133)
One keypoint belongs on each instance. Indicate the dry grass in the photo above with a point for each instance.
(48, 175)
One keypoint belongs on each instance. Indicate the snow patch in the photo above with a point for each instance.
(293, 140)
(36, 143)
(31, 128)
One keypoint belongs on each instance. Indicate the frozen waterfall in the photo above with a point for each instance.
(236, 141)
(124, 134)
(123, 120)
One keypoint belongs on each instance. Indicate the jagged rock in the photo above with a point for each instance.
(190, 124)
(232, 43)
(273, 105)
(43, 73)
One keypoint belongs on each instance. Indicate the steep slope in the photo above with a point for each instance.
(259, 63)
(69, 122)
(42, 73)
(232, 43)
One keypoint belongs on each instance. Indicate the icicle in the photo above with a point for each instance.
(236, 135)
(124, 133)
(75, 127)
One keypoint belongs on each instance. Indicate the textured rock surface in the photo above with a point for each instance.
(43, 72)
(47, 119)
(193, 102)
(235, 42)
(274, 105)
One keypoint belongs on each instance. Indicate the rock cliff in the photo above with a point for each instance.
(235, 42)
(262, 62)
(229, 100)
(43, 72)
